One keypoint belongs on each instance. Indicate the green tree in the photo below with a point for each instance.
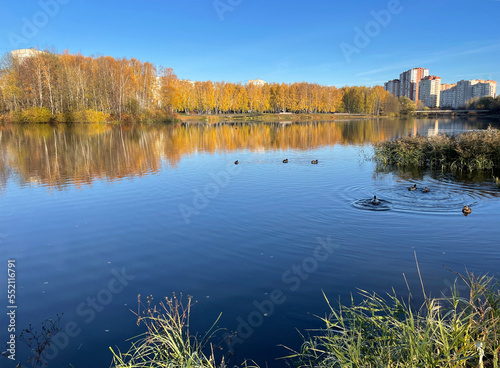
(407, 106)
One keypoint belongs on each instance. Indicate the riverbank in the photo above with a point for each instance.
(269, 118)
(43, 116)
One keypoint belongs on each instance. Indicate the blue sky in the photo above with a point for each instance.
(275, 40)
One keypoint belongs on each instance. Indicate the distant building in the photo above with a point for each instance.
(393, 87)
(257, 82)
(429, 91)
(23, 54)
(409, 82)
(484, 88)
(463, 92)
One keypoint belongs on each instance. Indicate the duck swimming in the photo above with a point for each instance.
(426, 190)
(236, 162)
(285, 161)
(375, 201)
(466, 210)
(413, 188)
(314, 162)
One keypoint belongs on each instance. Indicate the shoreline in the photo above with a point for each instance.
(271, 117)
(266, 118)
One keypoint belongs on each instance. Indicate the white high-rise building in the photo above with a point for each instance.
(467, 90)
(429, 91)
(484, 88)
(448, 97)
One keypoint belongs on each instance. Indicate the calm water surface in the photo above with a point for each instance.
(96, 215)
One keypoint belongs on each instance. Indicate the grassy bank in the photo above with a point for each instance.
(37, 115)
(44, 116)
(455, 331)
(268, 117)
(470, 152)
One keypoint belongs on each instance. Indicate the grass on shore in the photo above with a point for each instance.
(471, 152)
(167, 341)
(456, 331)
(446, 332)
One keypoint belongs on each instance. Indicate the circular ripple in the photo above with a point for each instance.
(366, 204)
(446, 196)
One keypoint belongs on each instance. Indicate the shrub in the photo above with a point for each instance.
(34, 115)
(83, 116)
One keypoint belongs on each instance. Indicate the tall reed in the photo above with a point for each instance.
(455, 331)
(167, 341)
(471, 152)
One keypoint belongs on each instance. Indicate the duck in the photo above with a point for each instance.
(236, 162)
(426, 190)
(375, 201)
(285, 161)
(414, 187)
(466, 210)
(314, 162)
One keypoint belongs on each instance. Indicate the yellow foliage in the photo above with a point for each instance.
(84, 116)
(78, 88)
(35, 115)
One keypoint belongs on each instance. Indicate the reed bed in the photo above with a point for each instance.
(469, 152)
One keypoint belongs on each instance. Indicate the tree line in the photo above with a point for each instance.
(71, 87)
(485, 103)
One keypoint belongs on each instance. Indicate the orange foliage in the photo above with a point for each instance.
(129, 89)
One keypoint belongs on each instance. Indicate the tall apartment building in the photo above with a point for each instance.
(463, 92)
(409, 82)
(484, 88)
(429, 91)
(393, 87)
(448, 97)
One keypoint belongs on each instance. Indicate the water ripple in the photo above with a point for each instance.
(367, 204)
(446, 196)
